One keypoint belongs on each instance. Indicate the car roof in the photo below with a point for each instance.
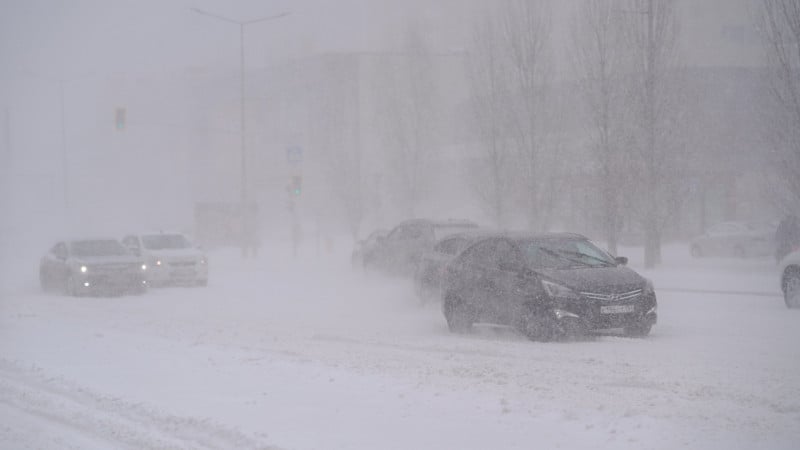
(520, 236)
(157, 233)
(441, 223)
(70, 240)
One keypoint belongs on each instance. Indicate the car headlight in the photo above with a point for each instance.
(648, 288)
(203, 260)
(144, 266)
(84, 269)
(555, 290)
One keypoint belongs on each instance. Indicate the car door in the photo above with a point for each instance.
(508, 292)
(479, 284)
(399, 248)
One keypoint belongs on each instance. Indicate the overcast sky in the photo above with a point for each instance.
(69, 38)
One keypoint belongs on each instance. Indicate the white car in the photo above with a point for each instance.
(738, 239)
(171, 258)
(790, 279)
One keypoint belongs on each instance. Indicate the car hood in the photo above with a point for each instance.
(101, 260)
(595, 279)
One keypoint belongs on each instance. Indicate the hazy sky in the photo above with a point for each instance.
(109, 52)
(53, 37)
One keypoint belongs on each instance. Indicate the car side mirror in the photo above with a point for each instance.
(621, 260)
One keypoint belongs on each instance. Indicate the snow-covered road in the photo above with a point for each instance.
(307, 354)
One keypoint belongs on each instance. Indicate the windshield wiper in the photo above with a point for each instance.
(606, 263)
(560, 255)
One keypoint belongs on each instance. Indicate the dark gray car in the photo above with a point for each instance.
(548, 286)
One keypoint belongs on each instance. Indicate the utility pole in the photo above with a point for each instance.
(241, 24)
(64, 156)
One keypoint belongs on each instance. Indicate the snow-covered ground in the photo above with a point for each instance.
(305, 353)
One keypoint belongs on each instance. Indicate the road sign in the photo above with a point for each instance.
(294, 154)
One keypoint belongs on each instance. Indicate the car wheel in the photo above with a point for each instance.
(458, 315)
(638, 330)
(71, 287)
(739, 252)
(571, 329)
(537, 327)
(696, 251)
(791, 289)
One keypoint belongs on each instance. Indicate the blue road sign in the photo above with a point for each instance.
(294, 154)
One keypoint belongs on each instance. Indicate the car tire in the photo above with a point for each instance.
(71, 288)
(458, 315)
(571, 329)
(537, 327)
(696, 251)
(638, 330)
(791, 288)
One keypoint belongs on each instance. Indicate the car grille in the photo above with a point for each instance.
(613, 297)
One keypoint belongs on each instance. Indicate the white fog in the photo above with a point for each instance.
(397, 224)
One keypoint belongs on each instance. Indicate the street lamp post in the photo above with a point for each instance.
(241, 23)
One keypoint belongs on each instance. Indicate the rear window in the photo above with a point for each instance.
(445, 230)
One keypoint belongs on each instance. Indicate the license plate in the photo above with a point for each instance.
(616, 309)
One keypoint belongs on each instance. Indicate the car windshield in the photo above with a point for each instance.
(165, 241)
(564, 254)
(108, 247)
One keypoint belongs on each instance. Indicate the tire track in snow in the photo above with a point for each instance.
(108, 419)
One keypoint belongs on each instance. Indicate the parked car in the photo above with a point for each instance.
(171, 258)
(738, 239)
(790, 279)
(84, 266)
(365, 246)
(401, 250)
(428, 276)
(548, 286)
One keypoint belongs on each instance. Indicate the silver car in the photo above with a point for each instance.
(171, 258)
(737, 239)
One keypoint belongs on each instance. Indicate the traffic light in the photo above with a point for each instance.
(119, 118)
(297, 185)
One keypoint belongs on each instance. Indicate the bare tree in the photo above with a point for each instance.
(526, 30)
(651, 35)
(487, 72)
(334, 131)
(410, 115)
(599, 64)
(780, 27)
